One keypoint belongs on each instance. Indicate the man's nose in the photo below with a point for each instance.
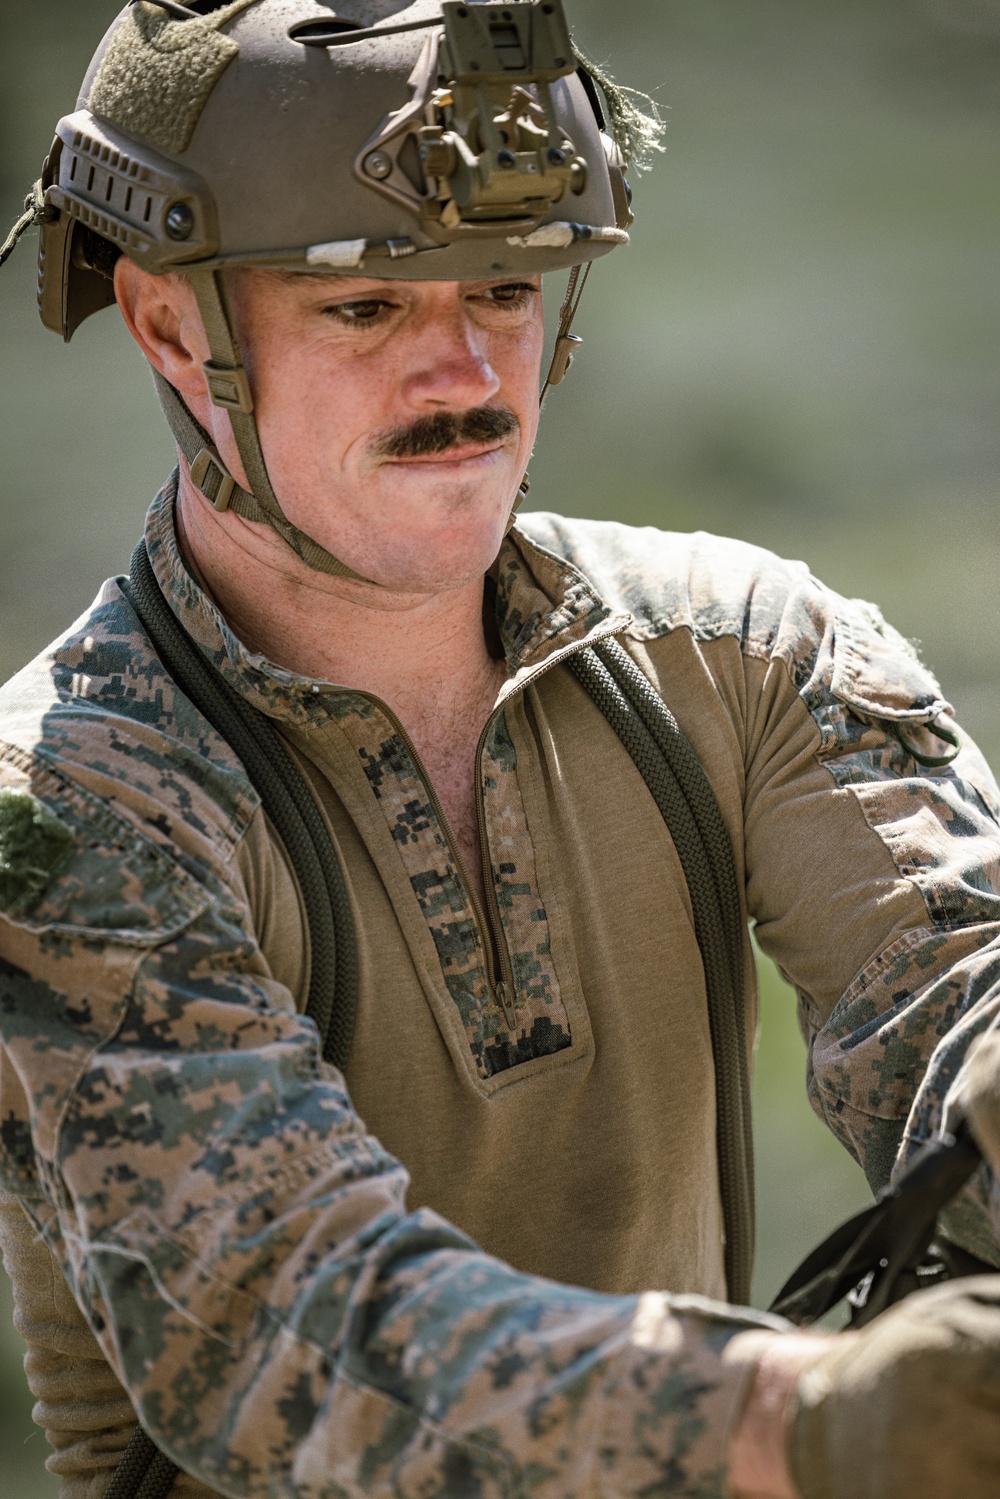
(451, 369)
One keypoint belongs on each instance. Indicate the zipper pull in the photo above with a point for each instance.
(507, 1004)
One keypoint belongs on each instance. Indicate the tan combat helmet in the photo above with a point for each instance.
(421, 139)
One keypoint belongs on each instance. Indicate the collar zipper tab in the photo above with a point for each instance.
(506, 1002)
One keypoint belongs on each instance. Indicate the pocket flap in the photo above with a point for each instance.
(877, 672)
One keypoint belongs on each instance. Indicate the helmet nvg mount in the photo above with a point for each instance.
(416, 139)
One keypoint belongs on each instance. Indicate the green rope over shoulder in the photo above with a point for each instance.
(144, 1472)
(287, 800)
(687, 803)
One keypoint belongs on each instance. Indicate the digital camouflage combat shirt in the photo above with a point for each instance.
(199, 1225)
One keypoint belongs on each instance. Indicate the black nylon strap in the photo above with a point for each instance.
(884, 1253)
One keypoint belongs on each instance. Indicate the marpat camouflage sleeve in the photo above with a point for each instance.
(874, 873)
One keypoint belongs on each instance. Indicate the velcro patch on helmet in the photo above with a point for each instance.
(157, 74)
(33, 844)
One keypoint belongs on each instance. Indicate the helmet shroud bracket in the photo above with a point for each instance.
(481, 126)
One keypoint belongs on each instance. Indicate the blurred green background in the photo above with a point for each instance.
(800, 348)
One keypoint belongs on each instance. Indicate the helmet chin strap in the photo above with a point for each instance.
(566, 345)
(229, 387)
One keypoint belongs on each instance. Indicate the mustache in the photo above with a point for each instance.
(446, 429)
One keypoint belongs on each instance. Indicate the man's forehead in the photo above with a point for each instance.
(329, 281)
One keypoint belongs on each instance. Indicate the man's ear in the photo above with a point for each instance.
(162, 316)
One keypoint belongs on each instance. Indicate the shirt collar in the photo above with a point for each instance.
(544, 608)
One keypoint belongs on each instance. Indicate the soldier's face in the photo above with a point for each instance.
(396, 417)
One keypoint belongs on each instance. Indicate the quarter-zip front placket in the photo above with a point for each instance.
(499, 969)
(500, 973)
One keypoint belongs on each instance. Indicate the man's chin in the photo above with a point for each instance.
(422, 570)
(417, 536)
(449, 556)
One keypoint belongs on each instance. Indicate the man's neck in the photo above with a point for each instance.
(425, 655)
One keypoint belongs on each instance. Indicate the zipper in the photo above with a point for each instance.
(499, 969)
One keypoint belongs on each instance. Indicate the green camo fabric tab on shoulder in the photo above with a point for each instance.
(33, 844)
(156, 76)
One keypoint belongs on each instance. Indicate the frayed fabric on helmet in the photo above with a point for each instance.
(35, 212)
(637, 131)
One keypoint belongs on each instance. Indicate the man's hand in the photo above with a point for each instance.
(758, 1457)
(907, 1408)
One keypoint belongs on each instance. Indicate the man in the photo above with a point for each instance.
(329, 246)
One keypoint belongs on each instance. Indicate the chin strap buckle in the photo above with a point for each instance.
(567, 343)
(211, 478)
(562, 357)
(228, 386)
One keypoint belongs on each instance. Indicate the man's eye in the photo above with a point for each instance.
(512, 293)
(367, 311)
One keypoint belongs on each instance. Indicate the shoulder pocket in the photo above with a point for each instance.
(877, 672)
(878, 686)
(105, 877)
